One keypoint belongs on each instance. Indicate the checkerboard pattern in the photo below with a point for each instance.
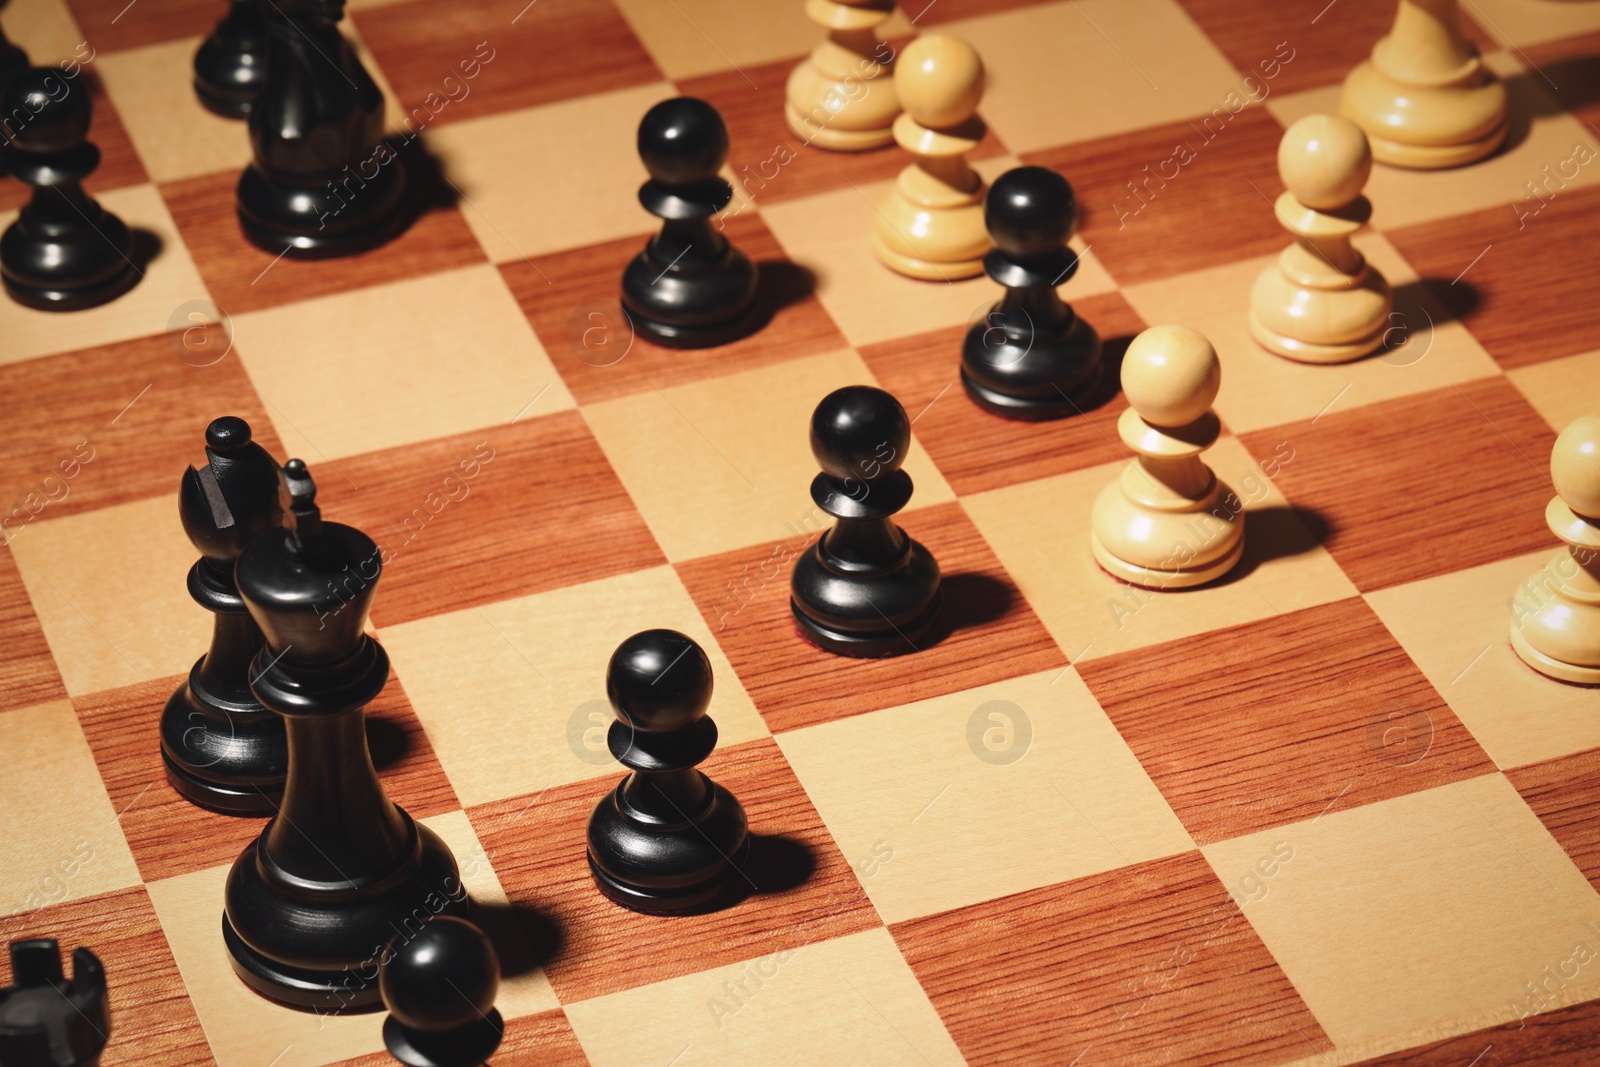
(1316, 813)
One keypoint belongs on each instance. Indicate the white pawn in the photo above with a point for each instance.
(1168, 522)
(842, 96)
(1322, 302)
(1555, 617)
(930, 224)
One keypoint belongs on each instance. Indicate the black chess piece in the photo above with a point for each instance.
(667, 840)
(230, 65)
(46, 1020)
(13, 61)
(323, 182)
(689, 288)
(439, 986)
(864, 588)
(340, 869)
(1031, 357)
(222, 749)
(64, 252)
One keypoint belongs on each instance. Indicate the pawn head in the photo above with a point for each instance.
(682, 141)
(939, 80)
(859, 432)
(47, 111)
(1325, 161)
(444, 978)
(659, 681)
(1171, 375)
(1030, 212)
(1575, 466)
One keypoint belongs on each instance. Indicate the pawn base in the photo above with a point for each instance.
(1437, 157)
(1155, 578)
(312, 223)
(1548, 665)
(43, 298)
(693, 901)
(670, 336)
(1031, 409)
(925, 269)
(1427, 127)
(467, 1046)
(882, 644)
(837, 140)
(1311, 352)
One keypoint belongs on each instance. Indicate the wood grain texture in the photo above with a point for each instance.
(576, 47)
(1572, 65)
(977, 451)
(127, 418)
(1148, 964)
(929, 13)
(1378, 477)
(546, 510)
(153, 1024)
(241, 277)
(169, 836)
(1281, 720)
(1564, 1037)
(542, 1040)
(771, 161)
(110, 25)
(536, 844)
(119, 163)
(1527, 299)
(1565, 794)
(1212, 204)
(991, 633)
(28, 673)
(572, 300)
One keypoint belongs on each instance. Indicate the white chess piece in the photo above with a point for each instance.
(842, 95)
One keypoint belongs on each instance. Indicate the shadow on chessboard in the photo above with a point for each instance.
(776, 864)
(524, 938)
(1565, 85)
(779, 284)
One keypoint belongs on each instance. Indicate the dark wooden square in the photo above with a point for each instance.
(542, 1040)
(804, 890)
(541, 509)
(1568, 68)
(1281, 720)
(1565, 794)
(28, 673)
(1377, 476)
(1148, 964)
(976, 450)
(991, 633)
(1560, 1037)
(112, 25)
(571, 298)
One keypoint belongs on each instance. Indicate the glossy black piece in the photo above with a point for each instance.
(864, 589)
(667, 840)
(64, 252)
(231, 64)
(689, 288)
(340, 870)
(439, 986)
(323, 183)
(223, 750)
(46, 1020)
(1030, 357)
(13, 61)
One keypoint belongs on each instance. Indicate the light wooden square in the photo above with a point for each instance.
(1561, 390)
(1403, 197)
(1415, 918)
(108, 587)
(457, 355)
(174, 136)
(46, 30)
(1066, 72)
(1527, 22)
(831, 235)
(1260, 389)
(772, 1009)
(62, 840)
(1040, 531)
(720, 464)
(1457, 629)
(513, 694)
(169, 281)
(543, 179)
(923, 798)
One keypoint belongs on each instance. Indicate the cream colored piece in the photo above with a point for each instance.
(842, 95)
(1559, 632)
(930, 224)
(1168, 522)
(1322, 302)
(1425, 96)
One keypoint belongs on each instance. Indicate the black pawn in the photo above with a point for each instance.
(689, 288)
(46, 1020)
(323, 182)
(13, 61)
(439, 987)
(230, 65)
(340, 869)
(222, 749)
(865, 588)
(1031, 357)
(64, 252)
(667, 840)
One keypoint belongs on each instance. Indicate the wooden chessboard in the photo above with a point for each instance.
(1317, 813)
